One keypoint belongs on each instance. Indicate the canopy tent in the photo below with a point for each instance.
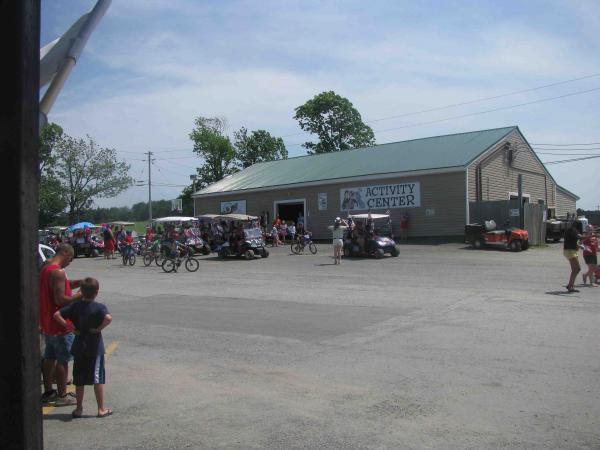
(175, 219)
(82, 225)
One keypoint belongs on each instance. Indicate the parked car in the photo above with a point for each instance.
(508, 237)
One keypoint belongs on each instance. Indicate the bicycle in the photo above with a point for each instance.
(301, 242)
(128, 256)
(153, 253)
(172, 263)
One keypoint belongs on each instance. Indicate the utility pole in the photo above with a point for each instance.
(149, 187)
(194, 178)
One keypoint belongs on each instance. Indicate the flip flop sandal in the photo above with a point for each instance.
(76, 416)
(106, 414)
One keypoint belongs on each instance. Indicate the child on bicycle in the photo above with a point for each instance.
(128, 243)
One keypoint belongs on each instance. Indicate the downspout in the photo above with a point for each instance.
(467, 196)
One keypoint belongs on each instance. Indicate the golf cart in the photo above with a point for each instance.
(209, 231)
(508, 237)
(245, 241)
(370, 236)
(125, 227)
(187, 229)
(555, 229)
(81, 238)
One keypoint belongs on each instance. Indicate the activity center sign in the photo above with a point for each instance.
(402, 195)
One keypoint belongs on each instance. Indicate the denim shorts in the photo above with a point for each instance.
(59, 347)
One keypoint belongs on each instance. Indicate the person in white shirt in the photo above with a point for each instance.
(338, 229)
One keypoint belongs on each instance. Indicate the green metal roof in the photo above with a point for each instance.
(433, 153)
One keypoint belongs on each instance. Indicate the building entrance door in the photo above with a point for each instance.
(290, 211)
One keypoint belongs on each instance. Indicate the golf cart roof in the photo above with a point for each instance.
(175, 219)
(118, 222)
(208, 216)
(243, 217)
(373, 216)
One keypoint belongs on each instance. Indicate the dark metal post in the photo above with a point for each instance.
(20, 408)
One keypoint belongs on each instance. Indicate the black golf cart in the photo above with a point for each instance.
(371, 235)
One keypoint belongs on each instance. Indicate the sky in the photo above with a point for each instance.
(153, 66)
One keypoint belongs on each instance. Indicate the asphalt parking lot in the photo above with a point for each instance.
(442, 347)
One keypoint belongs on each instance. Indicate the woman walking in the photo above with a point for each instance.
(590, 250)
(109, 242)
(337, 233)
(570, 250)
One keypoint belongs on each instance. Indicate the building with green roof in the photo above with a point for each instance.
(432, 180)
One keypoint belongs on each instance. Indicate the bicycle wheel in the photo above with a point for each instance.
(313, 248)
(169, 265)
(296, 248)
(132, 259)
(148, 258)
(191, 264)
(160, 259)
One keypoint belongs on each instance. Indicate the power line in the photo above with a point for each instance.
(564, 149)
(181, 157)
(570, 160)
(454, 105)
(569, 145)
(486, 98)
(567, 154)
(502, 108)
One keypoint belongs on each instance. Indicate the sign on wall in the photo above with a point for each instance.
(233, 207)
(322, 201)
(402, 195)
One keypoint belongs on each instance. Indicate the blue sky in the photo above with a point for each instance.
(153, 66)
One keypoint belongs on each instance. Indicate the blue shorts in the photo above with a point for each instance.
(88, 370)
(59, 347)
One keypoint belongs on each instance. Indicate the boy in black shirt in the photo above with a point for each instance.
(89, 318)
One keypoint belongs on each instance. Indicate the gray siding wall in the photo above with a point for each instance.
(442, 194)
(565, 203)
(498, 177)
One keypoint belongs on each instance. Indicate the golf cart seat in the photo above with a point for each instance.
(490, 225)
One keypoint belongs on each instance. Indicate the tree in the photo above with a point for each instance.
(257, 147)
(215, 148)
(335, 121)
(187, 202)
(51, 197)
(86, 171)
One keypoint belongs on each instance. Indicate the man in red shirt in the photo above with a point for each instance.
(55, 293)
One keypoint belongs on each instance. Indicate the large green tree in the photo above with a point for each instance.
(52, 200)
(335, 121)
(86, 171)
(258, 146)
(215, 148)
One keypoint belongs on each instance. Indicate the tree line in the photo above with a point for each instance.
(74, 172)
